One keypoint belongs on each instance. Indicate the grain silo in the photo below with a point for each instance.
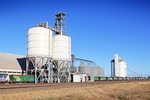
(91, 70)
(85, 69)
(61, 49)
(39, 42)
(118, 67)
(39, 52)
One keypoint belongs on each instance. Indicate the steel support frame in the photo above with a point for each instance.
(62, 74)
(43, 68)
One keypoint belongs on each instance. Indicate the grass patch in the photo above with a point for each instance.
(119, 91)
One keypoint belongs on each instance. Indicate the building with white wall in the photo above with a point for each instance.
(12, 63)
(118, 67)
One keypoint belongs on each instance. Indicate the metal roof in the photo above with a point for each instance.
(12, 62)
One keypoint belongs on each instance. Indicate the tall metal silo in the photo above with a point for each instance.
(101, 72)
(118, 67)
(95, 71)
(122, 68)
(91, 70)
(61, 49)
(39, 42)
(39, 52)
(85, 69)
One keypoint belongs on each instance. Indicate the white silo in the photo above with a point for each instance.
(39, 53)
(61, 50)
(39, 42)
(61, 43)
(122, 68)
(118, 67)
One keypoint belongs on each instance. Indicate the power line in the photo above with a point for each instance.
(133, 72)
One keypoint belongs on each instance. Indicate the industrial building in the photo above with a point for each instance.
(87, 67)
(90, 71)
(118, 67)
(49, 51)
(49, 56)
(12, 64)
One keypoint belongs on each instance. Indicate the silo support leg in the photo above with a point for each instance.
(58, 76)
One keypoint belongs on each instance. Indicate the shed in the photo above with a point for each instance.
(79, 77)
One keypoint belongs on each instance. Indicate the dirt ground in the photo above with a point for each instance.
(136, 90)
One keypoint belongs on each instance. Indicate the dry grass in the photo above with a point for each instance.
(120, 91)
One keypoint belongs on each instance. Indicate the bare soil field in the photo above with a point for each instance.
(107, 90)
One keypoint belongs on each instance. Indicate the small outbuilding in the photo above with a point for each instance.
(79, 77)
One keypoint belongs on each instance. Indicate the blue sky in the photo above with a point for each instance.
(98, 28)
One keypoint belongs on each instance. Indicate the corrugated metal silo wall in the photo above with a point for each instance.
(101, 71)
(85, 70)
(93, 71)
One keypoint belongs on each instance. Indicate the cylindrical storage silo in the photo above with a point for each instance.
(122, 69)
(61, 50)
(101, 71)
(39, 42)
(85, 70)
(94, 71)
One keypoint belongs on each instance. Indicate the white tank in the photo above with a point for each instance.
(122, 72)
(39, 42)
(118, 67)
(61, 47)
(61, 50)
